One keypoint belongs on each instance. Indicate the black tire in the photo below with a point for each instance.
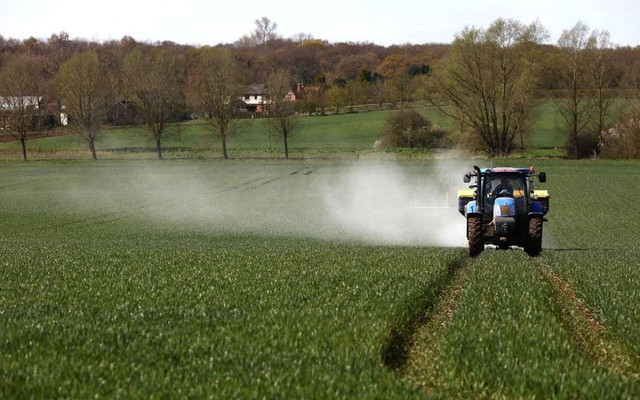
(534, 245)
(475, 236)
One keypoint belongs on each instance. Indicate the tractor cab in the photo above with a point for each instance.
(504, 185)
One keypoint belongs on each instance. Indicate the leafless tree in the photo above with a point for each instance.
(60, 48)
(486, 82)
(155, 81)
(587, 93)
(280, 107)
(85, 91)
(20, 101)
(265, 30)
(216, 90)
(601, 75)
(575, 105)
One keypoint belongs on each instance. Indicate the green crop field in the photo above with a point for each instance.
(309, 279)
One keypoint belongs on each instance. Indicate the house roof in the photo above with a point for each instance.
(255, 89)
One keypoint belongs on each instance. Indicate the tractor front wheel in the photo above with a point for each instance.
(534, 246)
(475, 236)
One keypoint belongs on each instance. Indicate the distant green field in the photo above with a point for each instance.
(307, 279)
(351, 135)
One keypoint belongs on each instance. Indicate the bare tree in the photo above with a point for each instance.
(155, 81)
(487, 80)
(630, 84)
(601, 80)
(622, 140)
(20, 101)
(85, 90)
(265, 30)
(575, 105)
(280, 107)
(60, 48)
(216, 90)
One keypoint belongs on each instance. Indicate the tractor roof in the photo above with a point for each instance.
(508, 170)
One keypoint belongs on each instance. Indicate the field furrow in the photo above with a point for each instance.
(427, 314)
(589, 334)
(505, 339)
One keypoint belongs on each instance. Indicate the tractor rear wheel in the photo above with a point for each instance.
(475, 236)
(534, 245)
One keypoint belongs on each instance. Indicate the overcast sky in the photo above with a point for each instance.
(384, 22)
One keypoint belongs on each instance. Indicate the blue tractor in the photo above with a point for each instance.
(504, 209)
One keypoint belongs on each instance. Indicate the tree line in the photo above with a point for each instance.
(488, 80)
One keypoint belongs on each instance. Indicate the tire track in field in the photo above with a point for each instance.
(585, 329)
(277, 178)
(243, 185)
(265, 180)
(432, 315)
(309, 171)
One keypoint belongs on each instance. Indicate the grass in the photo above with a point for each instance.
(547, 130)
(350, 135)
(345, 132)
(191, 278)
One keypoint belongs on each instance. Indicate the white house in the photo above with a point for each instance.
(16, 102)
(36, 102)
(257, 96)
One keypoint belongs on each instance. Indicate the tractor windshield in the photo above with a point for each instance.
(504, 185)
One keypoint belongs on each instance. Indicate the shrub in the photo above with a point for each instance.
(407, 128)
(623, 140)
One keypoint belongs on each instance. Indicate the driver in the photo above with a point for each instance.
(504, 189)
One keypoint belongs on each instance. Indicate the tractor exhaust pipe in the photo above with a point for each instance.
(479, 197)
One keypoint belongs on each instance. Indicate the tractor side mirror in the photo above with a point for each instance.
(542, 177)
(467, 178)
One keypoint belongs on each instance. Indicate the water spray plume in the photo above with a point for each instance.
(382, 204)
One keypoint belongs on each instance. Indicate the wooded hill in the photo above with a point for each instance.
(311, 61)
(330, 77)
